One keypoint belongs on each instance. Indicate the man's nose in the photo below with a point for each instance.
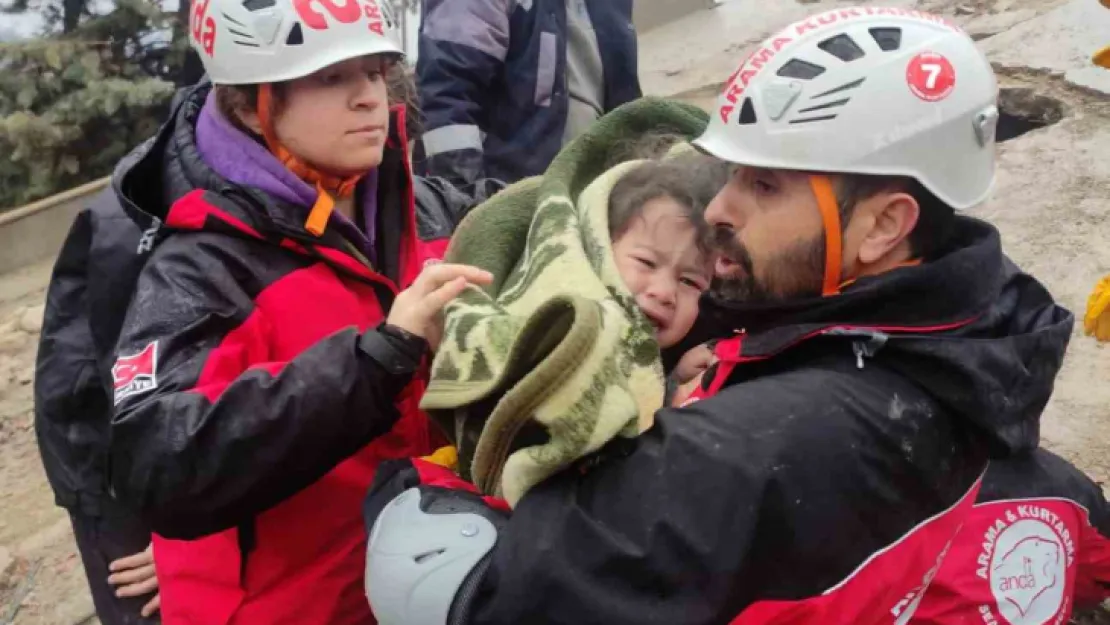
(715, 213)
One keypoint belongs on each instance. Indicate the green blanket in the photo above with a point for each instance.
(554, 359)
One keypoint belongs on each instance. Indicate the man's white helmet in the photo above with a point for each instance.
(265, 41)
(870, 90)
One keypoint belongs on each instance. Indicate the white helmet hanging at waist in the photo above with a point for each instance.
(265, 41)
(868, 90)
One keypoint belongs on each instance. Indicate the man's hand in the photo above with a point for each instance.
(135, 576)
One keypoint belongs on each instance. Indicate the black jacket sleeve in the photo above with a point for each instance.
(773, 490)
(208, 430)
(71, 404)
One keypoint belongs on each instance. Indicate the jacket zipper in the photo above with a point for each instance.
(867, 347)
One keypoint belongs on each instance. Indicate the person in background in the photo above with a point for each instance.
(86, 300)
(505, 83)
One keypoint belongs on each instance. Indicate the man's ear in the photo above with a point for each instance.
(889, 218)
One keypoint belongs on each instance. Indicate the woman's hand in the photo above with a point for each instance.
(135, 576)
(417, 309)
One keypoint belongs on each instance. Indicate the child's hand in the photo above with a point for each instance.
(689, 372)
(693, 364)
(683, 392)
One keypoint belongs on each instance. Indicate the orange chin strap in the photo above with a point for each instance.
(328, 187)
(830, 214)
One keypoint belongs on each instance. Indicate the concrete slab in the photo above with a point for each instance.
(1062, 41)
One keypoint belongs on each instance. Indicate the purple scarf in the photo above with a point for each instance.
(242, 160)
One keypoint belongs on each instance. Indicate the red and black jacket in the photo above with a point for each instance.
(1035, 549)
(833, 454)
(251, 399)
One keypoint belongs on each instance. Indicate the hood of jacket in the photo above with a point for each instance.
(982, 337)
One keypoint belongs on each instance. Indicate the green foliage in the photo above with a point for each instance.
(72, 105)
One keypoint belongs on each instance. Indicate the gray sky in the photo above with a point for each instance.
(18, 26)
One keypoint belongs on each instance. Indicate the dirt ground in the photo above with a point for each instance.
(1051, 204)
(41, 578)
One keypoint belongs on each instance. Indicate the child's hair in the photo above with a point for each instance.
(399, 83)
(691, 180)
(648, 146)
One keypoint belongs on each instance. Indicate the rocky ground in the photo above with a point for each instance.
(1052, 204)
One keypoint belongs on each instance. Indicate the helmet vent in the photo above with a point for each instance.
(845, 87)
(889, 39)
(421, 558)
(258, 5)
(807, 120)
(842, 47)
(828, 105)
(296, 37)
(747, 113)
(233, 20)
(802, 70)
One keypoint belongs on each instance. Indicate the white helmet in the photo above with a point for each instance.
(869, 90)
(265, 41)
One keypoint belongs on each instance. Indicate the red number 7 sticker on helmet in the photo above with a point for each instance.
(931, 76)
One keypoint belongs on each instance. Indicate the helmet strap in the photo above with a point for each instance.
(830, 215)
(328, 187)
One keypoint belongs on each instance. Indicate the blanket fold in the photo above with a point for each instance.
(554, 359)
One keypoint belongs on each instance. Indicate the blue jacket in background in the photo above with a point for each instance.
(492, 81)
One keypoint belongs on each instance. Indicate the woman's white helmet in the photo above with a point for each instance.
(265, 41)
(868, 90)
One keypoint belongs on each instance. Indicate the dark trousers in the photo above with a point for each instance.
(111, 535)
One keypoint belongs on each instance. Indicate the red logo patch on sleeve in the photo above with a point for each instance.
(136, 374)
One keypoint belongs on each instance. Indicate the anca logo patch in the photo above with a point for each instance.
(1025, 559)
(136, 374)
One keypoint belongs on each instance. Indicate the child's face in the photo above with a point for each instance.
(659, 261)
(337, 119)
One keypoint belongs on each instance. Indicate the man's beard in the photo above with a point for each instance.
(794, 273)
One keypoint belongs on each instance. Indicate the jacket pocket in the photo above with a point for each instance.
(545, 70)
